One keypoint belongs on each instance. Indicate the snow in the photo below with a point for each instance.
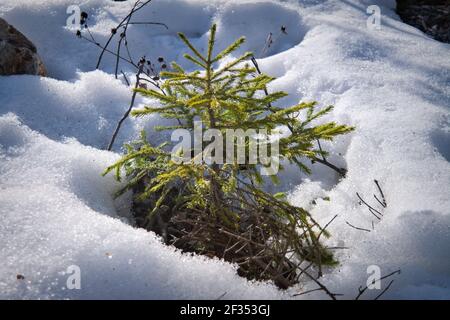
(393, 85)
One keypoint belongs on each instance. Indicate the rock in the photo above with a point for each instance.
(18, 55)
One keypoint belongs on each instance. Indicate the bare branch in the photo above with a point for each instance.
(133, 10)
(371, 209)
(133, 97)
(362, 290)
(385, 289)
(383, 202)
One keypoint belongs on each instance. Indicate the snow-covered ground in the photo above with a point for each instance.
(392, 84)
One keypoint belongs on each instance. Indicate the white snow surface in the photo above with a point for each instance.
(56, 210)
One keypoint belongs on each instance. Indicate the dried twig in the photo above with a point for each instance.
(151, 23)
(109, 51)
(306, 292)
(125, 77)
(221, 296)
(383, 202)
(326, 226)
(376, 213)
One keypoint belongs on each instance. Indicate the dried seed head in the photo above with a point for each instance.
(78, 33)
(84, 15)
(160, 59)
(164, 66)
(113, 30)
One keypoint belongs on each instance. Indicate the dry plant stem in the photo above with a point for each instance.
(245, 241)
(135, 9)
(123, 39)
(306, 292)
(357, 228)
(123, 36)
(140, 66)
(109, 51)
(196, 206)
(385, 289)
(133, 98)
(325, 227)
(341, 171)
(279, 277)
(382, 202)
(321, 286)
(151, 23)
(377, 214)
(125, 77)
(283, 254)
(129, 61)
(222, 295)
(117, 57)
(320, 148)
(383, 199)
